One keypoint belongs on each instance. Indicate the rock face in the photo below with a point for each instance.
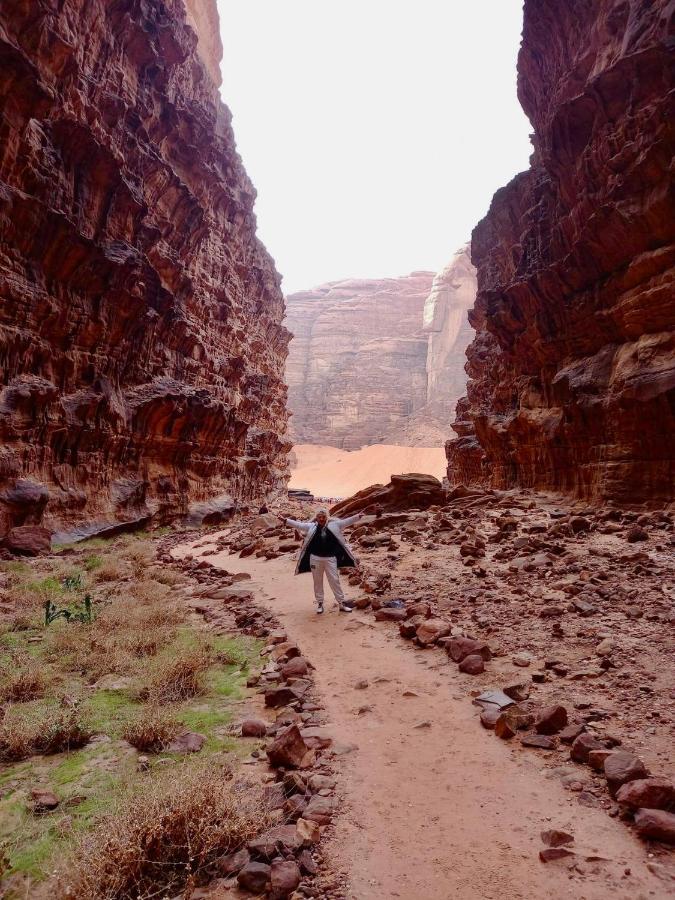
(140, 318)
(572, 369)
(379, 361)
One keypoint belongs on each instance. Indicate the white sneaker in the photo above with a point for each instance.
(319, 609)
(346, 607)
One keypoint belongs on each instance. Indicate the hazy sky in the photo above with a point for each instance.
(375, 131)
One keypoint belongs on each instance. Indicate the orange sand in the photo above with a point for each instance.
(331, 472)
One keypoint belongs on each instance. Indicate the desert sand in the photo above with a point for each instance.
(332, 472)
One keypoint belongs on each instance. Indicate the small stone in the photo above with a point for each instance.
(555, 838)
(295, 668)
(656, 824)
(539, 741)
(190, 742)
(234, 862)
(472, 665)
(571, 733)
(636, 534)
(460, 647)
(506, 725)
(361, 685)
(308, 832)
(280, 838)
(596, 759)
(489, 716)
(582, 746)
(551, 853)
(523, 660)
(551, 720)
(284, 878)
(256, 728)
(390, 614)
(605, 647)
(307, 864)
(430, 630)
(254, 877)
(519, 691)
(621, 767)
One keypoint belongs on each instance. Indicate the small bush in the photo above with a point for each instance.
(178, 678)
(24, 685)
(169, 834)
(56, 733)
(151, 732)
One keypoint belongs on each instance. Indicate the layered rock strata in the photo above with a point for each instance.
(141, 344)
(572, 370)
(379, 361)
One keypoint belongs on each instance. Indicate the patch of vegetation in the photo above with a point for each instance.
(138, 674)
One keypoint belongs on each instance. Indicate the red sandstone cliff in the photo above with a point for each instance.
(379, 360)
(572, 370)
(141, 345)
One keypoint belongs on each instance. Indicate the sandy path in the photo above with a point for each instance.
(439, 812)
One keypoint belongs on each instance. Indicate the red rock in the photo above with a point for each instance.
(489, 716)
(551, 720)
(621, 767)
(307, 864)
(408, 628)
(539, 741)
(295, 668)
(284, 878)
(430, 630)
(656, 824)
(566, 388)
(319, 810)
(472, 665)
(551, 853)
(254, 877)
(460, 647)
(256, 728)
(308, 832)
(582, 746)
(651, 793)
(142, 316)
(281, 696)
(569, 734)
(596, 759)
(288, 750)
(411, 491)
(29, 540)
(280, 839)
(389, 614)
(190, 742)
(506, 725)
(233, 862)
(43, 800)
(555, 838)
(636, 534)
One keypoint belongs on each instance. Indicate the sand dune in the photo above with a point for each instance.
(331, 472)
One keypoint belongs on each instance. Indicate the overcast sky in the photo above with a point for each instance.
(375, 131)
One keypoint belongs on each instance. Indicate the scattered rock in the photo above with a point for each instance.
(295, 668)
(621, 767)
(458, 648)
(523, 660)
(656, 824)
(29, 540)
(489, 716)
(555, 838)
(472, 665)
(650, 793)
(43, 801)
(288, 750)
(551, 720)
(430, 630)
(234, 862)
(254, 877)
(552, 853)
(636, 534)
(582, 746)
(540, 741)
(256, 728)
(189, 742)
(284, 878)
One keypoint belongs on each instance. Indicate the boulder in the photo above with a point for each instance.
(409, 491)
(656, 824)
(650, 793)
(29, 540)
(621, 767)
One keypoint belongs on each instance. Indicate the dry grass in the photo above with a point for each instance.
(151, 732)
(178, 678)
(55, 733)
(26, 684)
(169, 835)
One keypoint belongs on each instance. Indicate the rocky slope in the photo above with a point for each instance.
(572, 369)
(379, 361)
(140, 321)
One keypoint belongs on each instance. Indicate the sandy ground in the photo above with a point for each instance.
(331, 472)
(433, 808)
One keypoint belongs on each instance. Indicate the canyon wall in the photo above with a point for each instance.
(572, 369)
(381, 360)
(141, 344)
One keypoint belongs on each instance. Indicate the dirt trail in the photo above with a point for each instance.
(432, 807)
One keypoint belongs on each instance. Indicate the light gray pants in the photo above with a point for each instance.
(327, 565)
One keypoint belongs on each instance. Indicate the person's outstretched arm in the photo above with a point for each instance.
(294, 523)
(360, 517)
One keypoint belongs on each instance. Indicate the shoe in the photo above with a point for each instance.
(319, 609)
(346, 607)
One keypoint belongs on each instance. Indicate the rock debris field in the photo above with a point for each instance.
(499, 706)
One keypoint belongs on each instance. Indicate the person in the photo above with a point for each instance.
(325, 550)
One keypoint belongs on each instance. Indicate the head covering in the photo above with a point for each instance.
(321, 512)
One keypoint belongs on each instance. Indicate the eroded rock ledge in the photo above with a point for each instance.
(141, 345)
(572, 370)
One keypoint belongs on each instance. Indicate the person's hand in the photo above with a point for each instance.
(282, 518)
